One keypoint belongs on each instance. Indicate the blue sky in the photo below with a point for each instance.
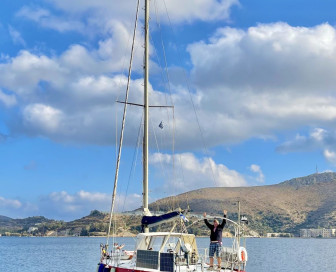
(256, 107)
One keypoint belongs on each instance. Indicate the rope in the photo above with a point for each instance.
(123, 126)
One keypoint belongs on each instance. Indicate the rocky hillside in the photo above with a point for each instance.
(95, 224)
(306, 202)
(14, 225)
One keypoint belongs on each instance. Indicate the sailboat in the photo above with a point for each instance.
(162, 251)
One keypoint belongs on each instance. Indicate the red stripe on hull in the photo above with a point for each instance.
(119, 269)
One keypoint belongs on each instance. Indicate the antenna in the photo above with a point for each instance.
(238, 237)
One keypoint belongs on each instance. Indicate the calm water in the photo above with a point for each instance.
(30, 254)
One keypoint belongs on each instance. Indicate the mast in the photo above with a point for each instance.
(239, 221)
(146, 106)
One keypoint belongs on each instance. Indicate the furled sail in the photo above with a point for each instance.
(154, 220)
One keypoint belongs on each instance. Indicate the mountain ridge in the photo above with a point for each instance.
(311, 179)
(304, 202)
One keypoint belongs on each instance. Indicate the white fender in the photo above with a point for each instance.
(187, 248)
(242, 254)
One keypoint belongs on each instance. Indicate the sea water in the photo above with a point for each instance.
(63, 254)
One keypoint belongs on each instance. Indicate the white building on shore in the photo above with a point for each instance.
(317, 233)
(278, 234)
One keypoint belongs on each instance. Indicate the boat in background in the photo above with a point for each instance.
(162, 251)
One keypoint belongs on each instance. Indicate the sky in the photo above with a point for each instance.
(252, 84)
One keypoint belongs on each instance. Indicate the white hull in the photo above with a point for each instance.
(170, 252)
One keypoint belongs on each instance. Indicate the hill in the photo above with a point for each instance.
(8, 224)
(305, 202)
(95, 224)
(4, 220)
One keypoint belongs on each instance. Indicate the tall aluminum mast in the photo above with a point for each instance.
(146, 106)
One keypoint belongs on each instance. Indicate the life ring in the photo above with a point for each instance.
(242, 254)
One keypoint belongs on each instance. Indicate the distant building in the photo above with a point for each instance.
(317, 233)
(304, 233)
(278, 234)
(32, 229)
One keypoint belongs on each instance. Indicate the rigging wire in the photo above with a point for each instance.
(167, 76)
(134, 160)
(123, 125)
(167, 111)
(116, 119)
(158, 148)
(164, 55)
(116, 158)
(168, 87)
(206, 149)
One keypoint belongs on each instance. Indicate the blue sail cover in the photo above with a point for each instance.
(154, 220)
(102, 268)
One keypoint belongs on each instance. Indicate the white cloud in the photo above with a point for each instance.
(63, 205)
(62, 197)
(330, 155)
(16, 36)
(317, 139)
(15, 208)
(186, 11)
(192, 10)
(8, 100)
(267, 79)
(66, 206)
(319, 134)
(251, 83)
(34, 14)
(111, 55)
(42, 117)
(47, 20)
(22, 74)
(256, 169)
(9, 203)
(267, 56)
(70, 97)
(193, 174)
